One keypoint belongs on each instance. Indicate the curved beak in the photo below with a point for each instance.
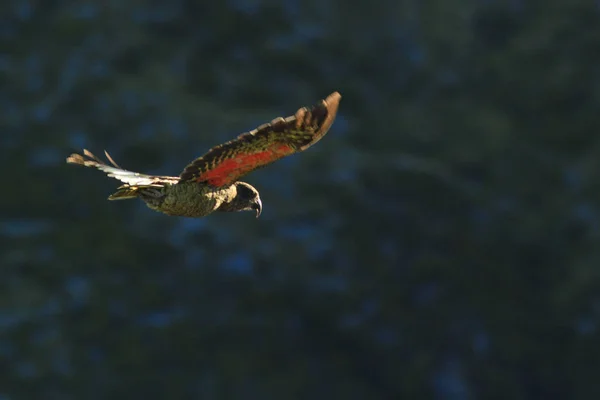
(258, 207)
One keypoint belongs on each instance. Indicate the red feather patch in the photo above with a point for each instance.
(222, 174)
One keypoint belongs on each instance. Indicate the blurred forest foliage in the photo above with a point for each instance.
(441, 242)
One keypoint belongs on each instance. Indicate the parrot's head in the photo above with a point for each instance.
(247, 198)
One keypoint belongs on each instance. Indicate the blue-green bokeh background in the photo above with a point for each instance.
(441, 242)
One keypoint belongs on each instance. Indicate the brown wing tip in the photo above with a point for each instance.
(331, 103)
(75, 159)
(87, 159)
(79, 159)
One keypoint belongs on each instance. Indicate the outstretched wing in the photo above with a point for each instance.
(129, 177)
(228, 162)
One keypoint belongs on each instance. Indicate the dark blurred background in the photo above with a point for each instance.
(440, 243)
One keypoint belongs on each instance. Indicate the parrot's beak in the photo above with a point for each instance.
(258, 207)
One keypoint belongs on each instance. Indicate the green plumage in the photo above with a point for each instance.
(189, 199)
